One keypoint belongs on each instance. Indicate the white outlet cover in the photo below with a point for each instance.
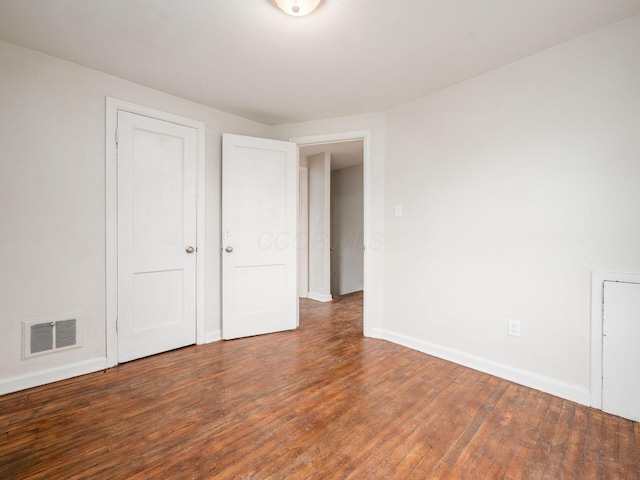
(514, 327)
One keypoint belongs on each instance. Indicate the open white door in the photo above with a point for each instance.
(259, 268)
(157, 163)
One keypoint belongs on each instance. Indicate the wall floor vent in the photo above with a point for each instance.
(40, 337)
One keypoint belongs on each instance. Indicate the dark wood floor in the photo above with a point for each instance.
(318, 403)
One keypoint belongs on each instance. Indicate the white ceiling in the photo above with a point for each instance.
(343, 154)
(348, 57)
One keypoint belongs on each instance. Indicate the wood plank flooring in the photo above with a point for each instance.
(318, 403)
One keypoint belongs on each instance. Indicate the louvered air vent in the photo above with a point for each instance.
(41, 337)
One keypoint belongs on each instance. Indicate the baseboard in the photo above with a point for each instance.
(50, 375)
(214, 336)
(379, 333)
(320, 297)
(568, 391)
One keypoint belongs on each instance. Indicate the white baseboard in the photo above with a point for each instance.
(214, 336)
(320, 297)
(379, 333)
(50, 375)
(565, 390)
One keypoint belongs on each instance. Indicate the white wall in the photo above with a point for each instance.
(516, 185)
(303, 229)
(347, 234)
(319, 227)
(52, 202)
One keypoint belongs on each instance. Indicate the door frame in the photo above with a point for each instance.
(113, 106)
(365, 136)
(597, 310)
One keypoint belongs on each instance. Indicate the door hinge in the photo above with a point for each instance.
(116, 325)
(116, 138)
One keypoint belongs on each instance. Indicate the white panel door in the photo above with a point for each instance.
(621, 350)
(259, 277)
(156, 236)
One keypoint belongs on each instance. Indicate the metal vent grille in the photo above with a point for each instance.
(41, 337)
(65, 333)
(50, 336)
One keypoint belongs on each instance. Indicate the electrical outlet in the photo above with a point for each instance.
(514, 327)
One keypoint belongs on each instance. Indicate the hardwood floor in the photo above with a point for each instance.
(318, 403)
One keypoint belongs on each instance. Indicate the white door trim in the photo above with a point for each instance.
(365, 136)
(597, 302)
(114, 105)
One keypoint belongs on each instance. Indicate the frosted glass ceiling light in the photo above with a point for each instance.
(297, 8)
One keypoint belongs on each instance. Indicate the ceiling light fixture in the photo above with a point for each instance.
(297, 8)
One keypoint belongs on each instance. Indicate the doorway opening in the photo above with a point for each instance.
(335, 222)
(332, 227)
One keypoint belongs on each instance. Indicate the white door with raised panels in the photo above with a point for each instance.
(259, 227)
(157, 250)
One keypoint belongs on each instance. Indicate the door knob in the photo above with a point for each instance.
(228, 249)
(189, 249)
